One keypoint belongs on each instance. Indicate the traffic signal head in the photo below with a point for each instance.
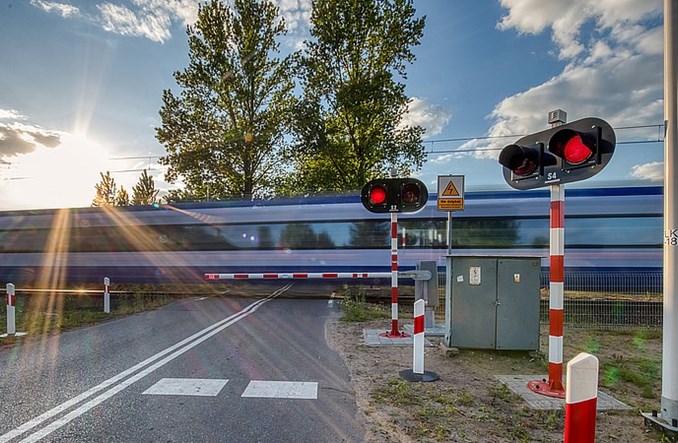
(394, 195)
(564, 154)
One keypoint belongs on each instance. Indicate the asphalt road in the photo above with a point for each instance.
(217, 369)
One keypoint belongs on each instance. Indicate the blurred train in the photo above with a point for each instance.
(611, 231)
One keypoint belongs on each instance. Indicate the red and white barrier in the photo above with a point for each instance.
(10, 297)
(296, 275)
(418, 353)
(107, 296)
(581, 399)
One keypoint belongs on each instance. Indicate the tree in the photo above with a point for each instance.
(225, 131)
(122, 198)
(349, 123)
(106, 191)
(144, 192)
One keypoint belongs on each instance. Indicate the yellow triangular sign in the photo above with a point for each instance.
(450, 190)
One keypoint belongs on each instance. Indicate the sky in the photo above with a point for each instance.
(81, 85)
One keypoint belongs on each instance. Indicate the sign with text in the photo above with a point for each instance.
(450, 192)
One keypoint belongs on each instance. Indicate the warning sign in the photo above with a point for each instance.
(450, 192)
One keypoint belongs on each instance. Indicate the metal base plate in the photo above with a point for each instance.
(427, 376)
(544, 388)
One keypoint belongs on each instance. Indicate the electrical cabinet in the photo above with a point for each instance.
(492, 302)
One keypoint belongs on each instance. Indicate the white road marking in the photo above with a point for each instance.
(187, 386)
(282, 389)
(190, 342)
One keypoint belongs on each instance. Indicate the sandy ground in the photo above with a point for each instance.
(468, 404)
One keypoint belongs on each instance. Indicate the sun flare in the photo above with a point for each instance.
(59, 177)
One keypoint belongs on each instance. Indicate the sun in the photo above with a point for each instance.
(59, 177)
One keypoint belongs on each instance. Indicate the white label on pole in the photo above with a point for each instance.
(450, 193)
(474, 275)
(671, 237)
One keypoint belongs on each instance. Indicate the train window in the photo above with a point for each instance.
(614, 231)
(468, 233)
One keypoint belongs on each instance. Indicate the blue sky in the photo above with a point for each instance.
(81, 85)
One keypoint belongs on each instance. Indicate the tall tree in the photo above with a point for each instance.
(144, 192)
(122, 198)
(225, 131)
(106, 191)
(349, 123)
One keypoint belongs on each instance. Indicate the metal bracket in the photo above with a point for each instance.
(416, 275)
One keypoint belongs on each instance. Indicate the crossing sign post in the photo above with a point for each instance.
(450, 192)
(450, 198)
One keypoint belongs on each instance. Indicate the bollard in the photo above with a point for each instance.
(418, 373)
(11, 309)
(581, 399)
(107, 296)
(418, 354)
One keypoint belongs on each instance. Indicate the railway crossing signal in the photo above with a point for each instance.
(564, 154)
(394, 195)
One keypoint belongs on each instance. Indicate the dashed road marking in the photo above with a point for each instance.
(282, 389)
(187, 386)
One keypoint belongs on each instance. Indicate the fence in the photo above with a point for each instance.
(600, 301)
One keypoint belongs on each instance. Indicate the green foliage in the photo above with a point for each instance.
(224, 132)
(349, 123)
(122, 199)
(106, 191)
(144, 191)
(356, 309)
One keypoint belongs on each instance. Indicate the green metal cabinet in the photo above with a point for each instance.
(492, 302)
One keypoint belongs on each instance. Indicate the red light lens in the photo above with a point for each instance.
(526, 167)
(576, 152)
(377, 195)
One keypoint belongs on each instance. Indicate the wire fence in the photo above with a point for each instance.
(600, 301)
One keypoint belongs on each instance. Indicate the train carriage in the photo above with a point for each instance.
(612, 231)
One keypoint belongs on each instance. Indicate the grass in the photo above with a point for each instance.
(356, 309)
(49, 312)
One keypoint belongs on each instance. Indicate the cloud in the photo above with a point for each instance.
(565, 19)
(420, 112)
(65, 10)
(297, 14)
(653, 171)
(18, 138)
(617, 76)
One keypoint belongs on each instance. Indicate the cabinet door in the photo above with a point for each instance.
(518, 304)
(474, 282)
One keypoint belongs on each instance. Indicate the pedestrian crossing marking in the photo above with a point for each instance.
(450, 190)
(282, 389)
(187, 386)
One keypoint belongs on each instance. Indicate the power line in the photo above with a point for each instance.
(452, 151)
(492, 137)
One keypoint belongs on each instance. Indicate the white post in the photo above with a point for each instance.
(418, 355)
(11, 309)
(107, 296)
(581, 399)
(669, 401)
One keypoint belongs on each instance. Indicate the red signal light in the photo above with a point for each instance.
(377, 195)
(575, 151)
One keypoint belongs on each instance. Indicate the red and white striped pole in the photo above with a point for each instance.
(418, 349)
(581, 399)
(394, 332)
(417, 373)
(553, 387)
(10, 297)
